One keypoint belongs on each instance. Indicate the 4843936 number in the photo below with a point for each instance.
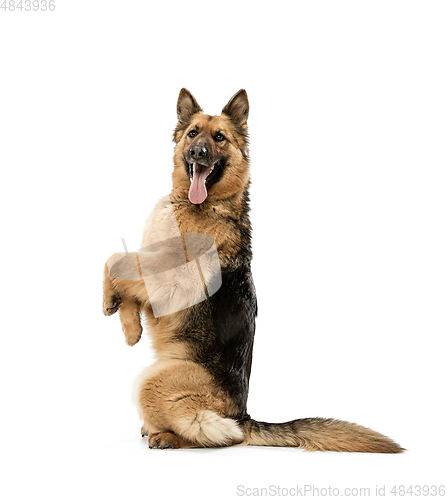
(418, 490)
(28, 5)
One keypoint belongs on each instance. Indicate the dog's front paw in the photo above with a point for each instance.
(111, 304)
(131, 321)
(132, 332)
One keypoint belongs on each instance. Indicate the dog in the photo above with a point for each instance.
(201, 318)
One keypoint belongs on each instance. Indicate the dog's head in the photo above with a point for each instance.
(211, 152)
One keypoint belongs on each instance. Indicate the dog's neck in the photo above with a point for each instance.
(226, 220)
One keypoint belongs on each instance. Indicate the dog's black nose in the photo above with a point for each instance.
(197, 152)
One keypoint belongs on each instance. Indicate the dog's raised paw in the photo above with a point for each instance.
(111, 305)
(131, 326)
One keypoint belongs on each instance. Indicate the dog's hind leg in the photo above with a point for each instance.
(180, 398)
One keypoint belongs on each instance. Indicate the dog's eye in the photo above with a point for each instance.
(193, 133)
(219, 137)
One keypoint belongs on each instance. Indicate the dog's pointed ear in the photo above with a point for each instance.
(186, 106)
(237, 108)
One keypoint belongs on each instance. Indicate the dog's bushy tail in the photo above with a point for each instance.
(318, 434)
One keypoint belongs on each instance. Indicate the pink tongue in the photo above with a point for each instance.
(197, 191)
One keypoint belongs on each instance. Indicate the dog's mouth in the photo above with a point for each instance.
(202, 177)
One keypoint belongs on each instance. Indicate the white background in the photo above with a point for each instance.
(348, 148)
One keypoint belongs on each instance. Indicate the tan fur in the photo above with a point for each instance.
(130, 320)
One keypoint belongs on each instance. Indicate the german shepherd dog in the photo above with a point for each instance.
(195, 395)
